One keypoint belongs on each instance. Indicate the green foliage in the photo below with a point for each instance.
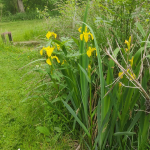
(107, 110)
(116, 19)
(10, 7)
(20, 16)
(99, 100)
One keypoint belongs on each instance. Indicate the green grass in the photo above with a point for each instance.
(19, 117)
(25, 30)
(18, 120)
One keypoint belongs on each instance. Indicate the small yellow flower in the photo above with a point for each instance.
(89, 51)
(48, 61)
(41, 51)
(89, 67)
(133, 76)
(81, 37)
(120, 84)
(63, 62)
(55, 35)
(86, 36)
(49, 34)
(80, 29)
(130, 39)
(58, 47)
(49, 50)
(126, 42)
(91, 35)
(52, 57)
(131, 61)
(119, 74)
(126, 49)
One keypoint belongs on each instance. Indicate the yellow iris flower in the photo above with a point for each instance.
(128, 43)
(120, 84)
(132, 75)
(41, 51)
(58, 47)
(89, 51)
(63, 62)
(131, 61)
(80, 29)
(48, 61)
(49, 34)
(49, 50)
(119, 74)
(52, 57)
(89, 67)
(85, 34)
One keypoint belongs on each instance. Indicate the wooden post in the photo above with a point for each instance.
(20, 6)
(3, 37)
(9, 36)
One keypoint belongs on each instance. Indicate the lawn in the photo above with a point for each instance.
(20, 115)
(26, 30)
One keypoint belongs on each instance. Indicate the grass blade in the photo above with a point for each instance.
(77, 119)
(124, 133)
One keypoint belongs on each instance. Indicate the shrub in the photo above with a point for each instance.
(21, 16)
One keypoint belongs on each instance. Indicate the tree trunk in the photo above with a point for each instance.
(20, 6)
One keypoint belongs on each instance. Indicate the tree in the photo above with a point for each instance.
(14, 6)
(20, 6)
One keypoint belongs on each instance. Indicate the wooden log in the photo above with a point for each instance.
(26, 43)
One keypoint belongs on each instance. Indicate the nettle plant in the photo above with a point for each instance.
(109, 111)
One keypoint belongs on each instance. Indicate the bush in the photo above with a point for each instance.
(21, 16)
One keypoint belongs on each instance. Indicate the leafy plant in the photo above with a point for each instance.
(103, 108)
